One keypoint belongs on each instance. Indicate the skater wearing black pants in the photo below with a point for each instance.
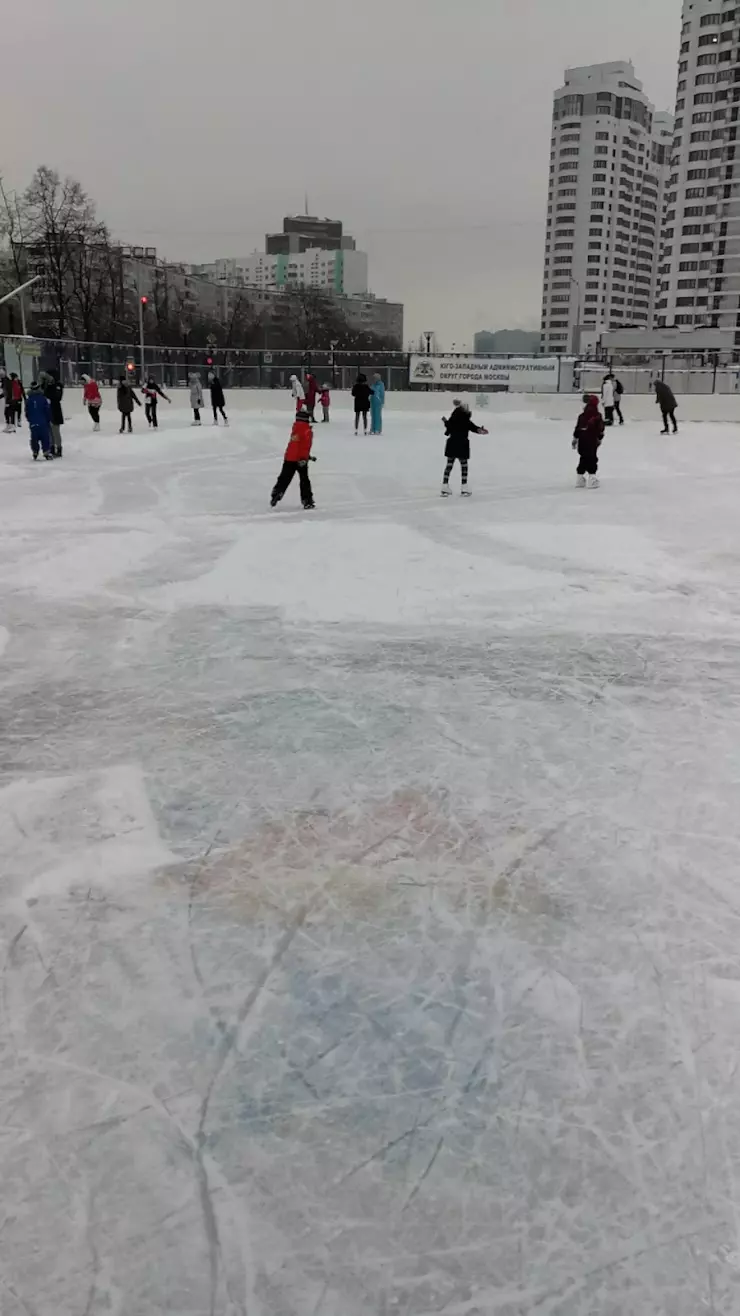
(217, 397)
(152, 392)
(297, 457)
(362, 393)
(587, 437)
(7, 391)
(125, 398)
(667, 403)
(458, 429)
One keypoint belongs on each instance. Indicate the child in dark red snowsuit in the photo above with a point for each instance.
(297, 457)
(587, 436)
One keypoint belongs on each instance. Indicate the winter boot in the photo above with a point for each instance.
(593, 482)
(580, 482)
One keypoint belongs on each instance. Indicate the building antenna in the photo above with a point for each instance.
(307, 205)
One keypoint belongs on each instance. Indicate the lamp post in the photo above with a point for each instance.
(142, 303)
(575, 343)
(429, 334)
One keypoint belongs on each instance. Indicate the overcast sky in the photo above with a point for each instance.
(423, 124)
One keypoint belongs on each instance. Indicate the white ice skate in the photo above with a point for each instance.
(593, 482)
(445, 491)
(580, 482)
(193, 423)
(466, 493)
(96, 429)
(226, 423)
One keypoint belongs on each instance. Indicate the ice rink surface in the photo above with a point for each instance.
(371, 876)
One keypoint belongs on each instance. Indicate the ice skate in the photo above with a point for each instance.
(49, 456)
(96, 429)
(309, 507)
(593, 481)
(445, 491)
(466, 493)
(226, 423)
(580, 482)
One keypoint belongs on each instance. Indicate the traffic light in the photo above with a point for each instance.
(130, 366)
(144, 301)
(209, 360)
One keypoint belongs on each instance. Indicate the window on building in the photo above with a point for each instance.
(569, 150)
(591, 297)
(708, 39)
(685, 266)
(693, 174)
(711, 20)
(601, 137)
(567, 178)
(567, 191)
(703, 98)
(598, 191)
(689, 229)
(705, 59)
(601, 150)
(704, 79)
(692, 192)
(563, 246)
(701, 154)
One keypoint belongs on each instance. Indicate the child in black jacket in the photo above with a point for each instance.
(458, 429)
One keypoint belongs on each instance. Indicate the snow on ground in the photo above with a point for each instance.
(370, 902)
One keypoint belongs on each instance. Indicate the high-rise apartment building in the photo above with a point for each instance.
(609, 163)
(700, 262)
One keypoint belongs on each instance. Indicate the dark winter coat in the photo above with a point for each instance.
(589, 430)
(664, 396)
(7, 388)
(38, 411)
(125, 398)
(361, 392)
(458, 429)
(311, 390)
(217, 393)
(152, 392)
(54, 391)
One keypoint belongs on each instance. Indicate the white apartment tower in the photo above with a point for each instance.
(609, 163)
(700, 263)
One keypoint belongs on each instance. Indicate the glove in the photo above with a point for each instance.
(483, 429)
(574, 444)
(313, 459)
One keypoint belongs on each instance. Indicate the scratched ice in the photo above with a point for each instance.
(371, 878)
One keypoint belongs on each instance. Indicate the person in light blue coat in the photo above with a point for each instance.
(377, 402)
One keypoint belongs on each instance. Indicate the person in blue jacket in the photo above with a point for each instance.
(38, 415)
(377, 402)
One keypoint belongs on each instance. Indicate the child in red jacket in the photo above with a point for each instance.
(325, 400)
(587, 438)
(297, 457)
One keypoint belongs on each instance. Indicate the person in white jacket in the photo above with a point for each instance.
(297, 391)
(196, 396)
(607, 399)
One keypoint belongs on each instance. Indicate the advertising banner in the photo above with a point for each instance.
(515, 374)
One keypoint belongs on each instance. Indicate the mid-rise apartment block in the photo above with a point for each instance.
(609, 166)
(342, 270)
(700, 265)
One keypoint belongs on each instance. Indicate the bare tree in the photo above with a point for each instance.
(58, 218)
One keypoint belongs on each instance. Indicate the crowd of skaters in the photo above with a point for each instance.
(44, 413)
